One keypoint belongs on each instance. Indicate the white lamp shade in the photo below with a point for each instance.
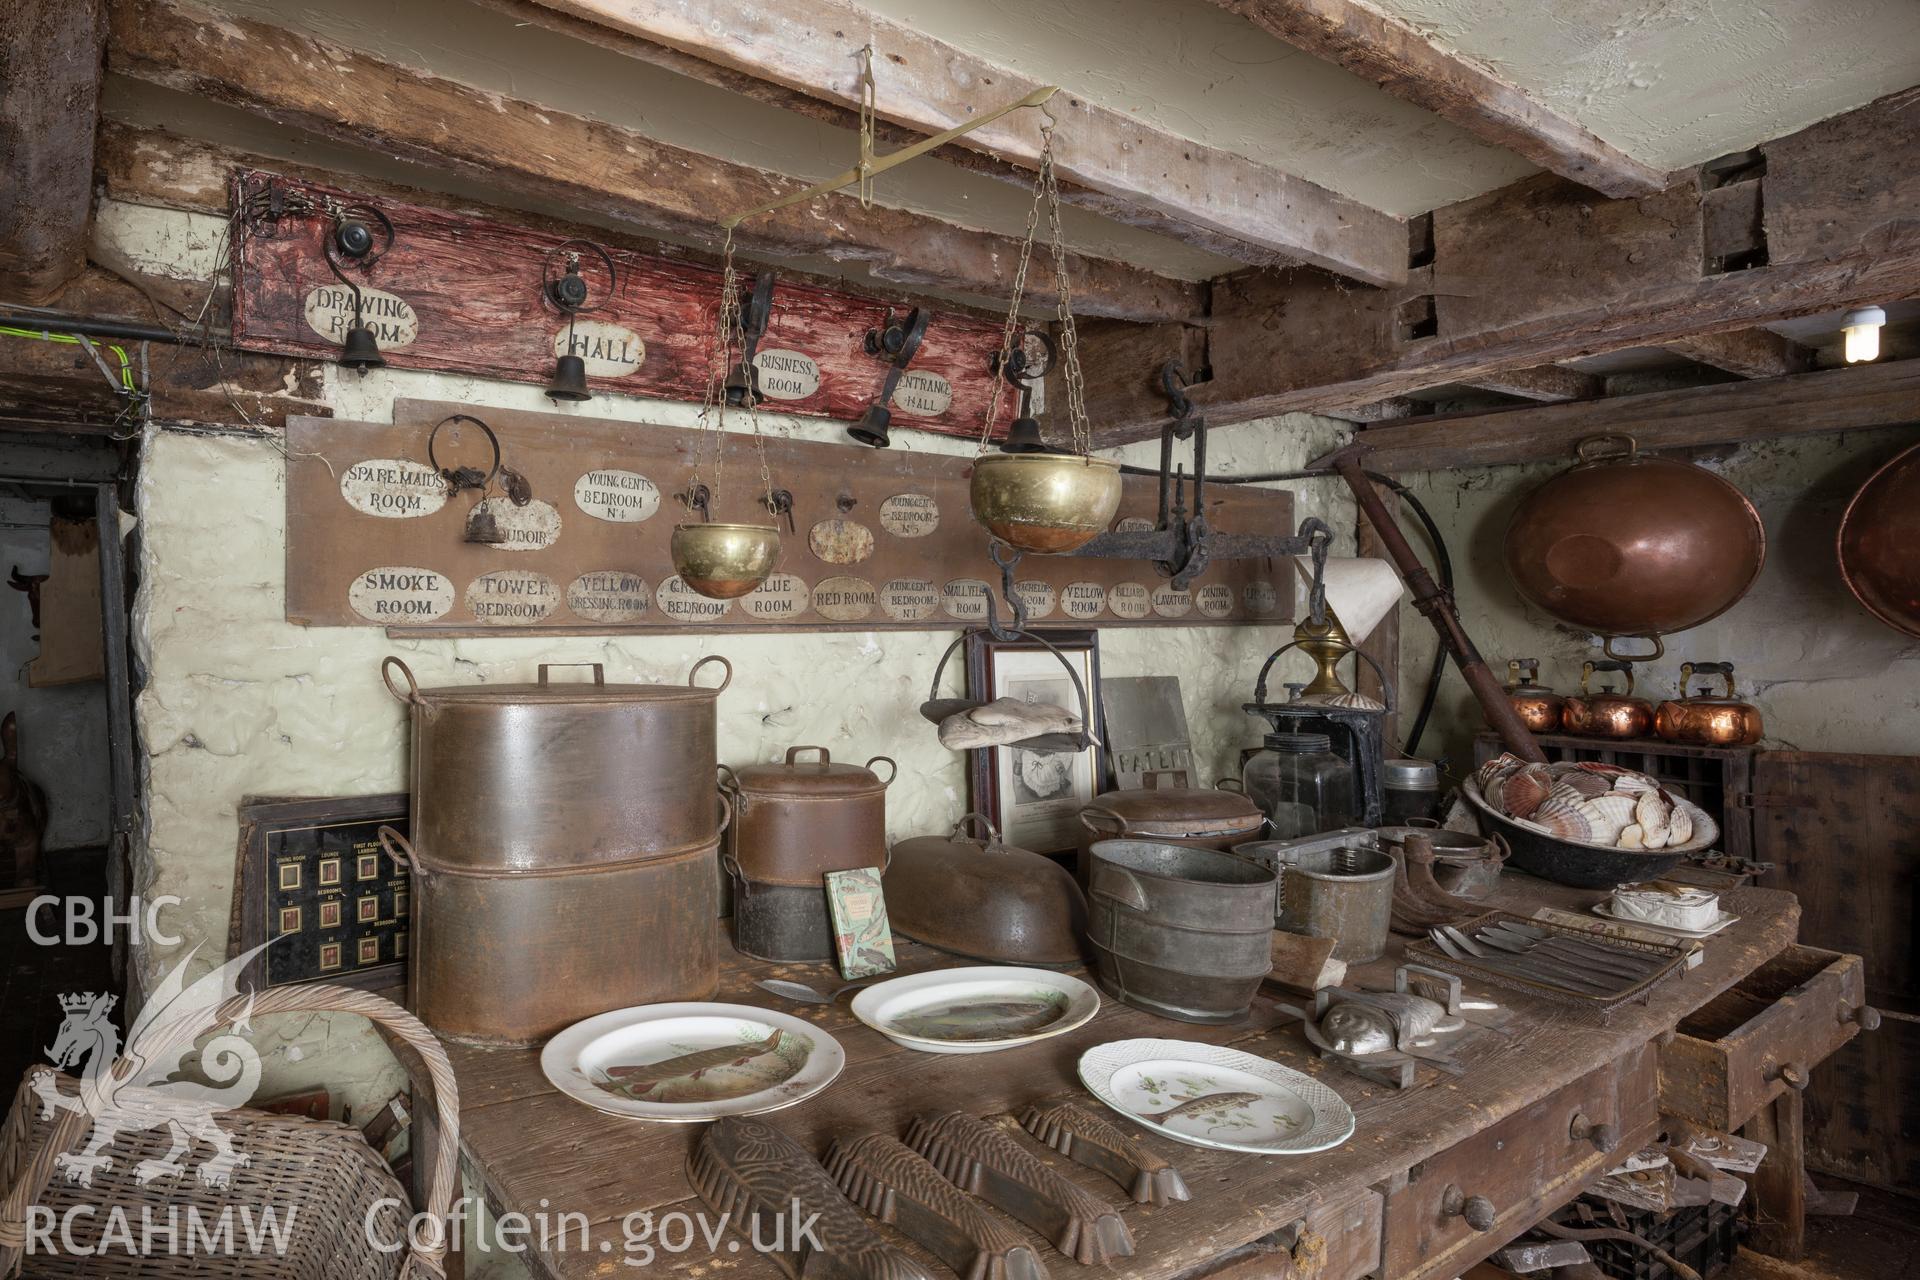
(1361, 589)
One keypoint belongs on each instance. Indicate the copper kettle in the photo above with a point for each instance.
(1706, 721)
(1537, 706)
(1606, 714)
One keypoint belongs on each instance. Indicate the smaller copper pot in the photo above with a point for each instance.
(1706, 721)
(1537, 706)
(1606, 714)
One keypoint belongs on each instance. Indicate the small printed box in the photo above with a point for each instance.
(861, 934)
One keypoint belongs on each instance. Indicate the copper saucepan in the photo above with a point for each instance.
(1624, 545)
(1606, 714)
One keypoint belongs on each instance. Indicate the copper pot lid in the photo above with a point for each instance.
(557, 691)
(819, 776)
(1180, 811)
(984, 899)
(1623, 545)
(1879, 543)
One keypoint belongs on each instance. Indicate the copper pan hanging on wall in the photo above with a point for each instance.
(1879, 543)
(1630, 546)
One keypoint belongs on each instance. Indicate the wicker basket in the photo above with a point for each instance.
(324, 1172)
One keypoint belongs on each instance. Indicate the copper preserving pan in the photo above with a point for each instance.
(512, 958)
(984, 899)
(1623, 545)
(1879, 543)
(519, 777)
(1193, 816)
(793, 822)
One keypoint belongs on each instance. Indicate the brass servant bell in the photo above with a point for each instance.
(568, 294)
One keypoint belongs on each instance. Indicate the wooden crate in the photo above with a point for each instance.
(1718, 779)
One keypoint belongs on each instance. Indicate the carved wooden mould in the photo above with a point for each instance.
(882, 1175)
(979, 1158)
(746, 1169)
(1105, 1148)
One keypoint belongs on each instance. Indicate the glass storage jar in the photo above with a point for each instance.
(1301, 785)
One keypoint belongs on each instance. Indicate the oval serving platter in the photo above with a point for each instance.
(1208, 1096)
(976, 1009)
(688, 1062)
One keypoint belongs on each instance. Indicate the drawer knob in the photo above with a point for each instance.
(1478, 1211)
(1604, 1137)
(1865, 1016)
(1792, 1074)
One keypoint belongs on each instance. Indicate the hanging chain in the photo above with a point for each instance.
(1010, 332)
(869, 92)
(1046, 190)
(729, 343)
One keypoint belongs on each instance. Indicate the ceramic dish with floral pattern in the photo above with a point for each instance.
(1207, 1096)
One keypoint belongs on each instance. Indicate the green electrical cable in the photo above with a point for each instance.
(44, 335)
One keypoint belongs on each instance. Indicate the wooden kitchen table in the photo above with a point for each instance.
(1387, 1202)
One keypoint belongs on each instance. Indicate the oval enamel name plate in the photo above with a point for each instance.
(787, 375)
(512, 597)
(393, 488)
(619, 497)
(329, 313)
(534, 527)
(1083, 600)
(910, 515)
(398, 595)
(924, 395)
(683, 604)
(610, 350)
(609, 595)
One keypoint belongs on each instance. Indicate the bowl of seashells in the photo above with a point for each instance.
(1586, 823)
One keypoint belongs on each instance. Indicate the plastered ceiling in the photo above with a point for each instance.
(1671, 82)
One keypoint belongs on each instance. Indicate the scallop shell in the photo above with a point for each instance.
(1589, 785)
(1498, 767)
(1493, 791)
(1604, 770)
(1634, 784)
(1679, 827)
(1609, 815)
(1524, 789)
(1654, 814)
(1564, 821)
(1571, 795)
(1631, 837)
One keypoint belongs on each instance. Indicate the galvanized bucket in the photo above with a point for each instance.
(1344, 893)
(1182, 932)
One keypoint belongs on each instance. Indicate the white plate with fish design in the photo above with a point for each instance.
(688, 1062)
(977, 1009)
(1208, 1096)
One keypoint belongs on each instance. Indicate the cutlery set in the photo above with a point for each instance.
(1591, 969)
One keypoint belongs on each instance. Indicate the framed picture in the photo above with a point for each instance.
(312, 879)
(1035, 797)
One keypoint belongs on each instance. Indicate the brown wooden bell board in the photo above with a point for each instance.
(464, 294)
(881, 539)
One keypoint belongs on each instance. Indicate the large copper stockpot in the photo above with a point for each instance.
(1879, 543)
(1606, 714)
(1629, 546)
(1191, 816)
(515, 777)
(1706, 721)
(511, 958)
(794, 822)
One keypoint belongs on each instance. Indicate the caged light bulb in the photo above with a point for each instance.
(1862, 330)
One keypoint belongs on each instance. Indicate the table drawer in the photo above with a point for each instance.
(1462, 1204)
(1743, 1048)
(1336, 1240)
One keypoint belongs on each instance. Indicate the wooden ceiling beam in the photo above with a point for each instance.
(1407, 65)
(1851, 399)
(357, 100)
(1108, 161)
(1751, 353)
(50, 61)
(1542, 272)
(1548, 382)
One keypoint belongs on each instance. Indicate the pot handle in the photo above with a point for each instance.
(1580, 450)
(826, 757)
(1606, 664)
(729, 781)
(1522, 670)
(1094, 816)
(1227, 784)
(712, 657)
(993, 832)
(1501, 849)
(402, 855)
(893, 768)
(1659, 649)
(726, 807)
(599, 672)
(1119, 884)
(1688, 670)
(412, 696)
